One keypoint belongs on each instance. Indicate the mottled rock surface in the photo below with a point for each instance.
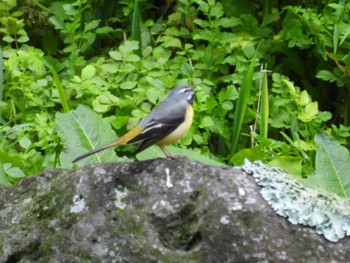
(133, 212)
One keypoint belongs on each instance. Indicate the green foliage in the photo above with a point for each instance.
(242, 102)
(75, 126)
(332, 166)
(264, 108)
(11, 24)
(120, 59)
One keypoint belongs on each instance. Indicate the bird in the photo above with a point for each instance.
(165, 124)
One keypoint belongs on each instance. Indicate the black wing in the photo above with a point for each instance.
(155, 131)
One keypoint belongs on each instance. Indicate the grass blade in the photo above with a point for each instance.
(264, 107)
(241, 107)
(60, 89)
(3, 177)
(1, 82)
(136, 25)
(336, 30)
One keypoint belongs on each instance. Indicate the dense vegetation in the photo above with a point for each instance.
(273, 75)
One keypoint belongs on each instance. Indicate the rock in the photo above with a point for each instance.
(134, 212)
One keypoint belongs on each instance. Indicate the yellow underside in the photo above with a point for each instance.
(180, 131)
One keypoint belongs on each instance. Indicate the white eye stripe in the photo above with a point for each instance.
(185, 90)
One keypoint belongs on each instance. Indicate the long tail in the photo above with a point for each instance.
(121, 141)
(104, 147)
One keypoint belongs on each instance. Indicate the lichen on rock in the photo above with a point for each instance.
(328, 213)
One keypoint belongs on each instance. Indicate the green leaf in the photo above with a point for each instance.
(136, 25)
(304, 98)
(290, 164)
(171, 41)
(252, 154)
(186, 69)
(23, 39)
(104, 30)
(203, 6)
(132, 58)
(104, 101)
(216, 11)
(59, 86)
(14, 172)
(8, 39)
(128, 47)
(326, 75)
(206, 122)
(3, 177)
(242, 104)
(91, 25)
(88, 72)
(309, 112)
(156, 152)
(25, 142)
(128, 85)
(332, 166)
(1, 81)
(82, 130)
(116, 55)
(264, 107)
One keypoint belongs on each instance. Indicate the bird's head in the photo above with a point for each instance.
(184, 92)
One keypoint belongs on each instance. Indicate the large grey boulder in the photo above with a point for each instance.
(160, 210)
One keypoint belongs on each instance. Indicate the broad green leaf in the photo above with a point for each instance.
(252, 154)
(332, 166)
(206, 122)
(116, 55)
(128, 85)
(153, 95)
(186, 69)
(25, 142)
(304, 98)
(104, 101)
(8, 39)
(203, 6)
(156, 152)
(290, 164)
(13, 172)
(309, 112)
(88, 72)
(132, 58)
(171, 41)
(128, 47)
(23, 39)
(82, 130)
(216, 11)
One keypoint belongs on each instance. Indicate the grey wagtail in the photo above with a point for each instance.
(164, 125)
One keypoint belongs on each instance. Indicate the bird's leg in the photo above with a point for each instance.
(166, 152)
